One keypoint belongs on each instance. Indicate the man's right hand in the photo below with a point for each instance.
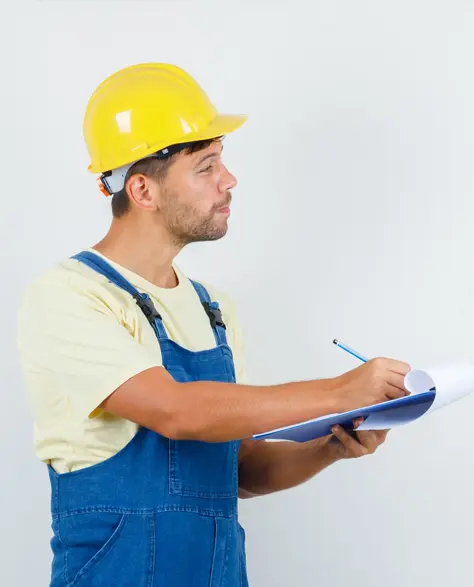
(374, 382)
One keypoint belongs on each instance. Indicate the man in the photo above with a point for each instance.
(136, 373)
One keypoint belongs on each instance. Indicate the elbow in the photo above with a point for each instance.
(244, 494)
(169, 415)
(176, 424)
(177, 418)
(173, 427)
(185, 426)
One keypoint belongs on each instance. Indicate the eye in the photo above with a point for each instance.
(208, 168)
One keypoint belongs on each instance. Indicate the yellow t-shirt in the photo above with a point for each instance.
(80, 337)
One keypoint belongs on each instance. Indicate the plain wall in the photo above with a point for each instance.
(352, 219)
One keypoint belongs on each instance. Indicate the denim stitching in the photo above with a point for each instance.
(57, 519)
(226, 554)
(151, 570)
(213, 512)
(66, 574)
(214, 553)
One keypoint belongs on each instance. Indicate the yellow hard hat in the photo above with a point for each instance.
(145, 108)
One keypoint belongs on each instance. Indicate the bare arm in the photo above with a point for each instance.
(266, 467)
(219, 412)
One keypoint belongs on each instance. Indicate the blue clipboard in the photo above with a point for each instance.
(393, 412)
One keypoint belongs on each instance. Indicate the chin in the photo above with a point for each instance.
(218, 235)
(218, 231)
(207, 232)
(205, 237)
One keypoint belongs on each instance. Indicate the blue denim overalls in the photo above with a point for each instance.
(161, 512)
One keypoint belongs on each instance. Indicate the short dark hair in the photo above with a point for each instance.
(154, 168)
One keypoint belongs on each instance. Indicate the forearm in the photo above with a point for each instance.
(216, 412)
(271, 467)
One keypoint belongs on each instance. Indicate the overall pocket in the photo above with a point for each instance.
(193, 550)
(104, 549)
(203, 469)
(197, 468)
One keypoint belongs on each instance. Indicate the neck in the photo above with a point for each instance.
(147, 250)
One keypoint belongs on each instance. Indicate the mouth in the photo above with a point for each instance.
(224, 210)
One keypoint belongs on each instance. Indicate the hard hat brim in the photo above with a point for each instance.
(221, 125)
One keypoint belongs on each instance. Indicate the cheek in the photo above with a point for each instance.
(192, 209)
(200, 193)
(207, 183)
(202, 200)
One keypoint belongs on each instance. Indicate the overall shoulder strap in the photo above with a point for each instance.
(212, 310)
(143, 300)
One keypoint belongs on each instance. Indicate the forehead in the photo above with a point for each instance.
(213, 150)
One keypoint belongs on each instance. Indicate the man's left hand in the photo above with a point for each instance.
(365, 442)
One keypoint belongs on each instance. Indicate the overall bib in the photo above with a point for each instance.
(160, 512)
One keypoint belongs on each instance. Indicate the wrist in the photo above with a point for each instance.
(326, 450)
(339, 396)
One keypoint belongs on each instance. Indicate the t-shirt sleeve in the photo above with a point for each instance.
(72, 345)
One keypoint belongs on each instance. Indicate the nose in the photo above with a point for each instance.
(228, 181)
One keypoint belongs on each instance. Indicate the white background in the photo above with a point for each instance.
(352, 219)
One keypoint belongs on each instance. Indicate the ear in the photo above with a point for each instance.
(143, 191)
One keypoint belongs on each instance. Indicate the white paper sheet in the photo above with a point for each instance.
(450, 382)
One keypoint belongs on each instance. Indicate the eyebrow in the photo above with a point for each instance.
(208, 156)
